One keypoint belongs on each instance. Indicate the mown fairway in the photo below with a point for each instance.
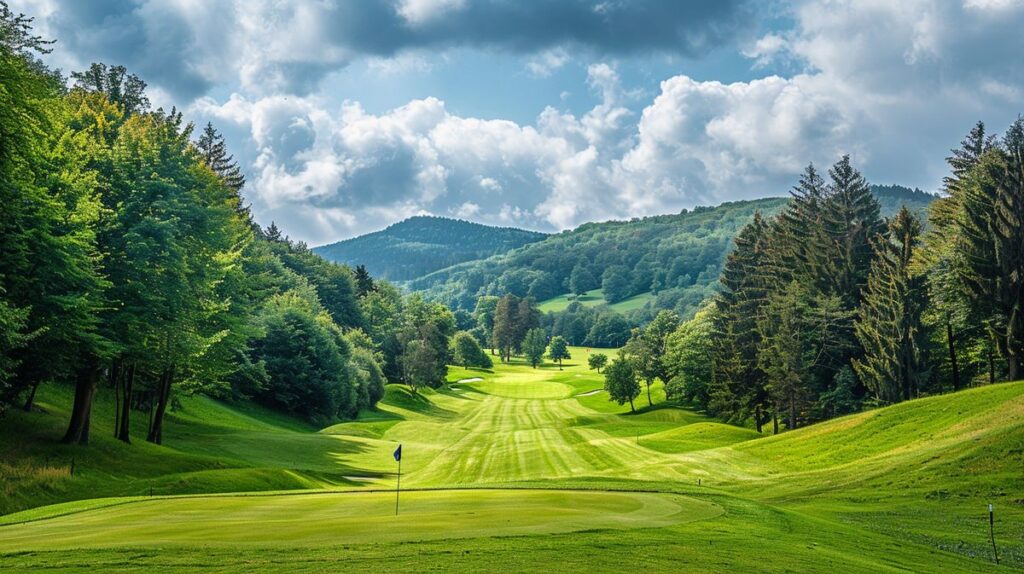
(523, 469)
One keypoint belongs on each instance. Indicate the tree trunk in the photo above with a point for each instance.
(1013, 367)
(952, 356)
(757, 418)
(156, 430)
(632, 409)
(792, 413)
(775, 421)
(31, 400)
(991, 367)
(115, 381)
(128, 380)
(650, 403)
(85, 388)
(88, 421)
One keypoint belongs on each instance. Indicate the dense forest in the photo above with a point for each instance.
(826, 307)
(420, 245)
(130, 265)
(677, 258)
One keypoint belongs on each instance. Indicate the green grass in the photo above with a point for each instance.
(526, 469)
(594, 298)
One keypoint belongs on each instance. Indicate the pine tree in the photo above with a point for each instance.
(851, 219)
(783, 358)
(364, 283)
(950, 308)
(992, 244)
(273, 233)
(889, 324)
(215, 155)
(797, 252)
(743, 292)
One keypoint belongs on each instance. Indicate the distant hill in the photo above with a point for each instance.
(422, 244)
(675, 259)
(892, 197)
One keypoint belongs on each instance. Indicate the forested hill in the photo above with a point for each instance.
(675, 257)
(422, 244)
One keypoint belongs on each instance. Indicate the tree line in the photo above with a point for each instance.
(130, 265)
(827, 308)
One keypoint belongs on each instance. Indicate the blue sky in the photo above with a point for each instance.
(348, 115)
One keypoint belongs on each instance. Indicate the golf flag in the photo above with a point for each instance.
(398, 483)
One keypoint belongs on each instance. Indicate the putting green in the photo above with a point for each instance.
(350, 518)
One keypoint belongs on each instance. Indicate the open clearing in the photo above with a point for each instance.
(594, 298)
(523, 469)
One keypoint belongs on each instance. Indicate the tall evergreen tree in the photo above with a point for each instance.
(215, 155)
(851, 219)
(364, 283)
(743, 293)
(950, 308)
(889, 324)
(992, 241)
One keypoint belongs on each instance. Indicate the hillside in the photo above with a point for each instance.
(422, 244)
(676, 259)
(902, 488)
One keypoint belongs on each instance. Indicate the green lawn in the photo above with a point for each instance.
(594, 298)
(520, 469)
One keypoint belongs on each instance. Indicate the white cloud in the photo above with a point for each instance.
(766, 50)
(894, 84)
(548, 62)
(467, 210)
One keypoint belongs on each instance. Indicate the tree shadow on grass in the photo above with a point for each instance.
(400, 396)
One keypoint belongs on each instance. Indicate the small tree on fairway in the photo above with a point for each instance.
(534, 344)
(559, 350)
(597, 361)
(621, 383)
(467, 352)
(640, 352)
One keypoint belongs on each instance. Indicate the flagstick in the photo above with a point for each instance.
(992, 533)
(398, 486)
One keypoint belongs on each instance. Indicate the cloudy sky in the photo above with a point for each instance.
(348, 115)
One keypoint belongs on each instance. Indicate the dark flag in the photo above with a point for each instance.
(398, 485)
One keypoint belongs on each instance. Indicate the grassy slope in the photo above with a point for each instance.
(894, 489)
(595, 298)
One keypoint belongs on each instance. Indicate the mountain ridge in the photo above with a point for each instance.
(422, 244)
(675, 256)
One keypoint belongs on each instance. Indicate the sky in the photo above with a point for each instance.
(349, 115)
